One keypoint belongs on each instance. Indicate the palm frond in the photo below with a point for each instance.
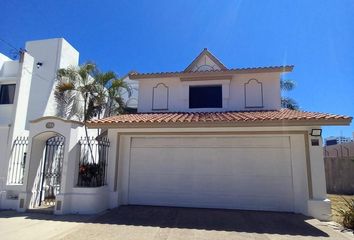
(105, 79)
(65, 86)
(121, 87)
(85, 92)
(68, 104)
(67, 74)
(287, 84)
(289, 103)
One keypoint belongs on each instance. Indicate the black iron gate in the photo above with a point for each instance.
(51, 171)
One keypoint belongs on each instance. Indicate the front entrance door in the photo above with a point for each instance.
(51, 170)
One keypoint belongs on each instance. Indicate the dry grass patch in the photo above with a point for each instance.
(337, 204)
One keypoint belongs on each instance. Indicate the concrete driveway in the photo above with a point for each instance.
(143, 222)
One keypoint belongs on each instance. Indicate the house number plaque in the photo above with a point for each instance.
(49, 125)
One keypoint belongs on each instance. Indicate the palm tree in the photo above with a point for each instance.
(84, 92)
(287, 102)
(110, 89)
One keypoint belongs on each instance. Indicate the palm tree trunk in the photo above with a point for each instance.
(85, 126)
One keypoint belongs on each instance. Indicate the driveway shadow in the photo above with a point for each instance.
(195, 218)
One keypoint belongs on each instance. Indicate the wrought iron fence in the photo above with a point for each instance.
(93, 162)
(17, 161)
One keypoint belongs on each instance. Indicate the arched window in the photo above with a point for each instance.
(253, 94)
(160, 97)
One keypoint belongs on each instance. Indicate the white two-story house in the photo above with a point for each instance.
(208, 136)
(215, 137)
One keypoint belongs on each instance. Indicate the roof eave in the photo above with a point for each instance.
(267, 123)
(282, 69)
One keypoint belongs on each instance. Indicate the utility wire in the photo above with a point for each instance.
(14, 51)
(8, 44)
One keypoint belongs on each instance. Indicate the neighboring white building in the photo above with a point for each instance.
(337, 140)
(26, 89)
(208, 136)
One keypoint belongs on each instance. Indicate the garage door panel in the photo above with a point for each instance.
(214, 184)
(211, 141)
(251, 202)
(222, 161)
(163, 171)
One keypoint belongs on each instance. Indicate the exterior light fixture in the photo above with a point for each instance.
(39, 64)
(316, 132)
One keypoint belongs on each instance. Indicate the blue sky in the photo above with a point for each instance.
(316, 36)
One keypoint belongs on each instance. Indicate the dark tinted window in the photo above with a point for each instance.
(7, 93)
(205, 97)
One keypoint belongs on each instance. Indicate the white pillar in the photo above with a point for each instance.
(318, 206)
(112, 168)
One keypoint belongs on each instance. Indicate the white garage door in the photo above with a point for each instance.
(212, 172)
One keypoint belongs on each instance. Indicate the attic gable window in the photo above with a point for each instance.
(7, 93)
(205, 96)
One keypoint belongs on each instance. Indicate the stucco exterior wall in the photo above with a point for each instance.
(53, 54)
(4, 134)
(6, 114)
(233, 92)
(13, 116)
(9, 74)
(3, 59)
(22, 94)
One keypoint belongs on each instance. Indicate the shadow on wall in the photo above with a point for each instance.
(192, 218)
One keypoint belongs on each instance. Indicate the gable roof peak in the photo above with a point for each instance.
(205, 53)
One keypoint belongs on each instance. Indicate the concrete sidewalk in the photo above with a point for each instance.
(144, 222)
(38, 226)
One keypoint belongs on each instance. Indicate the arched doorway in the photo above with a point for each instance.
(45, 171)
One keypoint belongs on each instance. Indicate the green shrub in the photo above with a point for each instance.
(347, 213)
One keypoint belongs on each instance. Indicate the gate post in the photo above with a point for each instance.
(69, 169)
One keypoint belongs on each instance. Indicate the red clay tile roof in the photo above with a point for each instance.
(287, 68)
(291, 117)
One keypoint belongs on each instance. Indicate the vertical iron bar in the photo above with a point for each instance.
(13, 164)
(43, 174)
(23, 166)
